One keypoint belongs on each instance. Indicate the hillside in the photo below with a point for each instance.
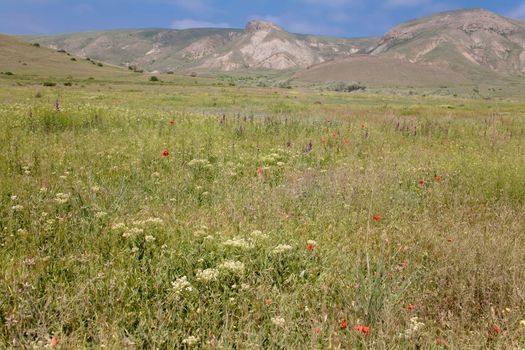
(261, 45)
(22, 58)
(380, 71)
(470, 40)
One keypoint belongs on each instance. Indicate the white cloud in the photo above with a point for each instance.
(195, 23)
(518, 12)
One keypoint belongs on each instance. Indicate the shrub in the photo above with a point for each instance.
(100, 64)
(73, 59)
(49, 83)
(345, 87)
(68, 83)
(193, 74)
(38, 94)
(61, 51)
(36, 44)
(169, 72)
(7, 73)
(153, 78)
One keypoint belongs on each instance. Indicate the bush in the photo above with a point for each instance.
(38, 94)
(36, 44)
(7, 73)
(153, 78)
(61, 51)
(49, 83)
(193, 74)
(73, 59)
(68, 83)
(169, 72)
(100, 64)
(345, 87)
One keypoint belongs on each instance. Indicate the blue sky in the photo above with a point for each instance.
(344, 18)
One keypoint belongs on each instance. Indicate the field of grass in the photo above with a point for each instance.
(151, 216)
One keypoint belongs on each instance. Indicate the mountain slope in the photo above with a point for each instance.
(261, 45)
(472, 40)
(22, 58)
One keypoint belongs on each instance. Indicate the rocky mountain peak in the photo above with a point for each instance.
(259, 25)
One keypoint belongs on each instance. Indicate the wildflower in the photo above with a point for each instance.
(311, 242)
(440, 341)
(149, 238)
(172, 122)
(281, 248)
(450, 240)
(165, 152)
(17, 207)
(235, 267)
(258, 234)
(421, 182)
(343, 324)
(410, 307)
(496, 329)
(260, 170)
(346, 141)
(310, 247)
(361, 328)
(95, 189)
(267, 301)
(522, 323)
(438, 178)
(278, 321)
(323, 140)
(191, 340)
(54, 341)
(13, 198)
(414, 327)
(334, 134)
(207, 275)
(317, 330)
(238, 243)
(62, 198)
(404, 264)
(118, 226)
(100, 214)
(376, 218)
(181, 284)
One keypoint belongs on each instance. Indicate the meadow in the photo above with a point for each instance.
(193, 215)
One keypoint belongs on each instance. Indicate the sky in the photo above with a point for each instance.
(342, 18)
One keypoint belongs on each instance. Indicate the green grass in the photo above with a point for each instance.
(98, 229)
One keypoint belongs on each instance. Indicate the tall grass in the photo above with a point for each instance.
(244, 236)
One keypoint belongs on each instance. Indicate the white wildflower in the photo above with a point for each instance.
(149, 238)
(278, 321)
(207, 275)
(231, 266)
(100, 214)
(62, 198)
(95, 189)
(414, 327)
(17, 207)
(118, 226)
(282, 248)
(132, 232)
(256, 234)
(191, 340)
(14, 198)
(238, 243)
(181, 284)
(311, 242)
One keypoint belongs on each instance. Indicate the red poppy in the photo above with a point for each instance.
(438, 178)
(343, 324)
(497, 329)
(450, 240)
(410, 307)
(165, 152)
(310, 247)
(404, 264)
(54, 341)
(317, 330)
(260, 170)
(334, 134)
(376, 218)
(267, 301)
(361, 328)
(440, 341)
(323, 140)
(421, 182)
(346, 142)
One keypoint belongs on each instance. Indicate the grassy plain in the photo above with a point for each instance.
(277, 218)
